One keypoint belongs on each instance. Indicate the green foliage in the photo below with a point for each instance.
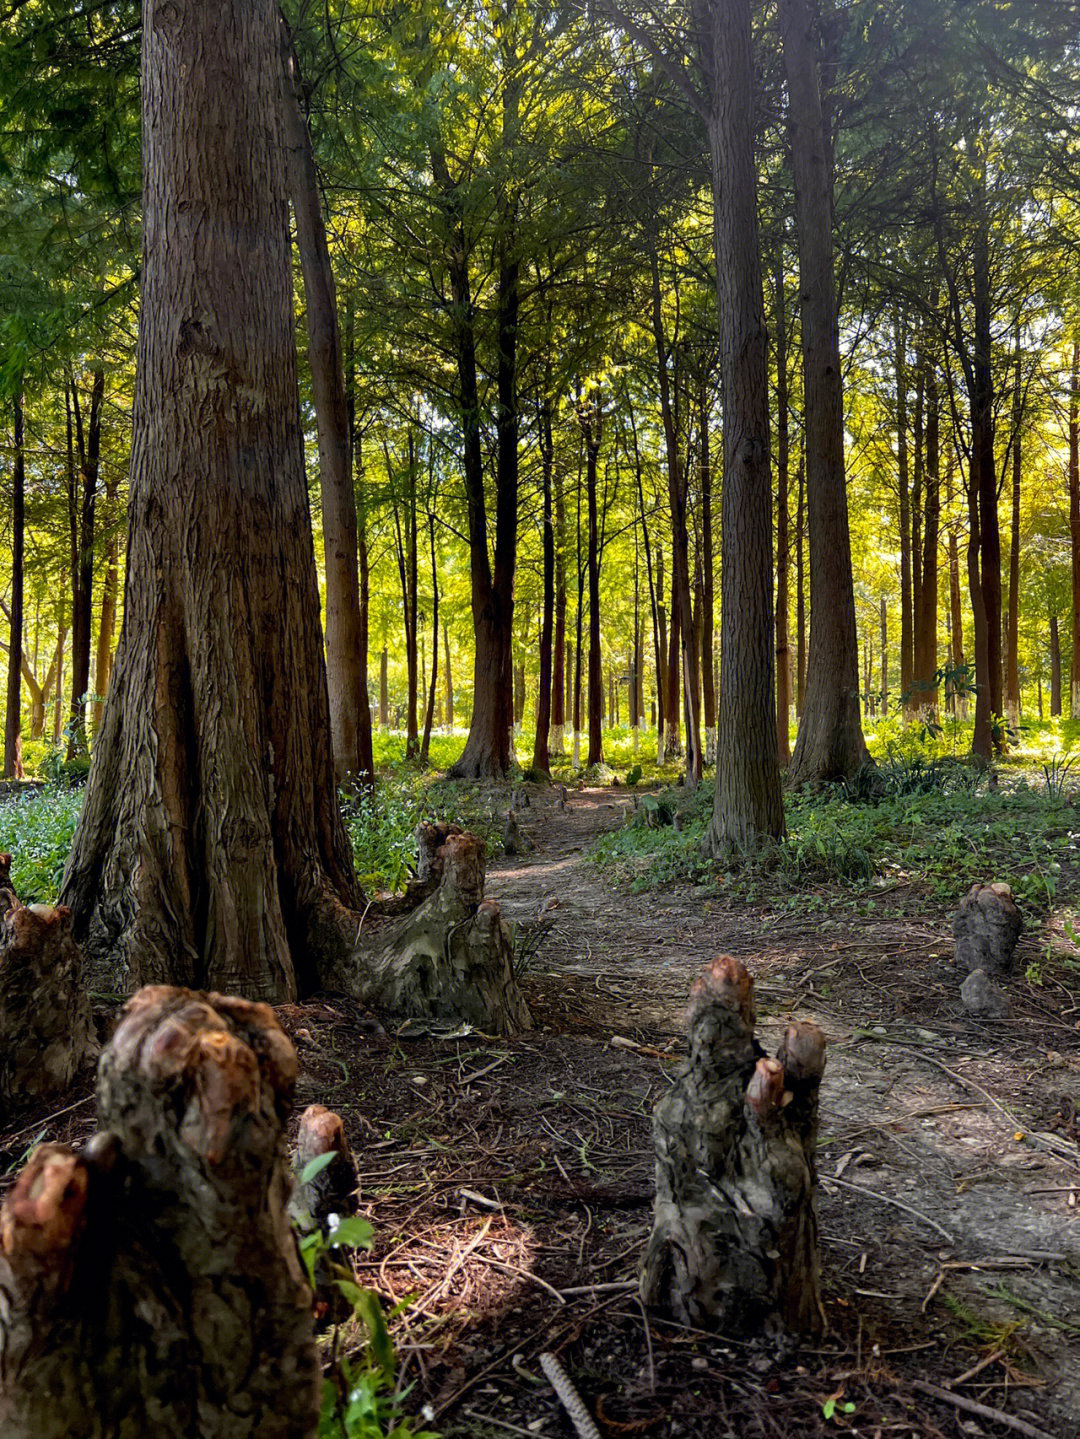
(37, 829)
(359, 1399)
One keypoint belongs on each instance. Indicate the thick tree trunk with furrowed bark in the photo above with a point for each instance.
(734, 1244)
(748, 807)
(210, 849)
(830, 742)
(151, 1283)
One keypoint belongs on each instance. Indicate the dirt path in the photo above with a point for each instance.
(948, 1206)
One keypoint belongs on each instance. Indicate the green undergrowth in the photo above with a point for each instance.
(36, 829)
(935, 825)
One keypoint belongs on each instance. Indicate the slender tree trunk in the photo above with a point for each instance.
(107, 618)
(783, 463)
(748, 807)
(449, 680)
(884, 657)
(830, 742)
(1074, 525)
(708, 621)
(591, 427)
(13, 714)
(1055, 668)
(210, 850)
(988, 700)
(350, 717)
(1012, 661)
(917, 501)
(800, 594)
(926, 608)
(541, 760)
(384, 689)
(429, 718)
(558, 659)
(83, 511)
(365, 746)
(903, 473)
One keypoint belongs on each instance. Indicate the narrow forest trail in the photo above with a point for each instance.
(948, 1155)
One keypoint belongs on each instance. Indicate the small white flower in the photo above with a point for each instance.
(332, 1222)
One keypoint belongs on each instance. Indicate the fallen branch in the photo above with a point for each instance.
(983, 1411)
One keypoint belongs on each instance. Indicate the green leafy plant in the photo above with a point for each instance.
(360, 1397)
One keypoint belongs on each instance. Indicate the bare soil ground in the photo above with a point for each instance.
(510, 1182)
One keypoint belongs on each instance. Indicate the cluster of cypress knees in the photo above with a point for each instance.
(150, 1281)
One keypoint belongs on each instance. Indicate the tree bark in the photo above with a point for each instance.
(210, 848)
(349, 713)
(429, 717)
(590, 417)
(1074, 525)
(708, 623)
(800, 594)
(558, 663)
(903, 475)
(107, 618)
(151, 1281)
(830, 742)
(926, 607)
(449, 680)
(13, 714)
(747, 807)
(46, 1029)
(734, 1244)
(1055, 668)
(540, 759)
(783, 462)
(1012, 657)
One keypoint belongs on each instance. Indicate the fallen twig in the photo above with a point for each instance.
(888, 1199)
(983, 1411)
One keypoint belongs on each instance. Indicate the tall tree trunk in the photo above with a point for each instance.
(830, 743)
(449, 680)
(541, 760)
(926, 606)
(429, 717)
(884, 657)
(558, 659)
(210, 850)
(107, 618)
(988, 699)
(13, 714)
(350, 716)
(83, 505)
(1074, 525)
(591, 420)
(682, 658)
(747, 808)
(708, 622)
(783, 463)
(919, 468)
(384, 689)
(365, 745)
(1055, 668)
(1012, 661)
(800, 593)
(903, 475)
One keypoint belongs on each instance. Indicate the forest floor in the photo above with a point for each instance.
(510, 1181)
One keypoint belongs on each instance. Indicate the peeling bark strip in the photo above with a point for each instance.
(210, 850)
(150, 1284)
(451, 958)
(46, 1030)
(734, 1242)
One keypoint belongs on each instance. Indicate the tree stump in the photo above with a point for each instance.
(986, 928)
(151, 1283)
(735, 1242)
(326, 1197)
(430, 839)
(451, 958)
(46, 1028)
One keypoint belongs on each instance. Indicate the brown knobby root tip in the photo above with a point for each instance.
(802, 1052)
(727, 982)
(765, 1093)
(44, 1210)
(226, 1086)
(321, 1132)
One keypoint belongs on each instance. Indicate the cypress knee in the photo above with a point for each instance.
(735, 1240)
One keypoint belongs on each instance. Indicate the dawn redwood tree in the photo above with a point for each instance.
(210, 850)
(748, 807)
(12, 717)
(830, 742)
(82, 508)
(350, 713)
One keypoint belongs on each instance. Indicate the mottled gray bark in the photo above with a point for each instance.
(734, 1244)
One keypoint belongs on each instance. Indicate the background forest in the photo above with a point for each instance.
(531, 182)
